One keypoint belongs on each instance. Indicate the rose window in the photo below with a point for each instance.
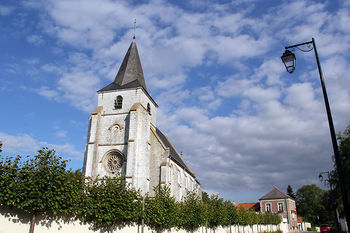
(113, 161)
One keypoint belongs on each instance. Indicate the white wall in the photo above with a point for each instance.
(18, 222)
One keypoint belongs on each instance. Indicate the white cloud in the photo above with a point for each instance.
(260, 94)
(67, 149)
(51, 68)
(301, 95)
(341, 20)
(168, 82)
(19, 143)
(272, 70)
(5, 10)
(78, 88)
(35, 39)
(233, 86)
(47, 92)
(204, 93)
(226, 147)
(89, 23)
(61, 133)
(26, 144)
(241, 46)
(241, 125)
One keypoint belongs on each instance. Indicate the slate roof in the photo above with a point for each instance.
(130, 74)
(275, 193)
(173, 153)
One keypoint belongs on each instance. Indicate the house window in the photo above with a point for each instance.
(268, 207)
(149, 108)
(118, 103)
(280, 207)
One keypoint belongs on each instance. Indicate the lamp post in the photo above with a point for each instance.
(143, 212)
(289, 61)
(333, 205)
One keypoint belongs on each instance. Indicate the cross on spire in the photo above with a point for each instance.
(134, 29)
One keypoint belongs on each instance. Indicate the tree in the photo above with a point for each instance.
(39, 185)
(290, 192)
(231, 214)
(192, 212)
(108, 203)
(333, 179)
(242, 217)
(215, 212)
(205, 197)
(310, 205)
(344, 154)
(161, 211)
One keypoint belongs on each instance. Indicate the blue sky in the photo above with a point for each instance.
(225, 100)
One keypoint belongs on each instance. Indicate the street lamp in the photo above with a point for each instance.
(288, 58)
(320, 176)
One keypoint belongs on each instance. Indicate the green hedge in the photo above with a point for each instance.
(42, 185)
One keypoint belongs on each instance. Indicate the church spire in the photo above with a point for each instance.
(130, 74)
(131, 68)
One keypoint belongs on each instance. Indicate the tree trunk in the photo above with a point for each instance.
(32, 224)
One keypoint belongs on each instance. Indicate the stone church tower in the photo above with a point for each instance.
(123, 137)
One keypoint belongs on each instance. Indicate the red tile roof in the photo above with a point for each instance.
(300, 219)
(249, 206)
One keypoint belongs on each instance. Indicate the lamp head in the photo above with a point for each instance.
(320, 177)
(288, 59)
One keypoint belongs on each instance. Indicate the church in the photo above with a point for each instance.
(123, 137)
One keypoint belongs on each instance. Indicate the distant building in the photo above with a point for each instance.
(280, 203)
(123, 137)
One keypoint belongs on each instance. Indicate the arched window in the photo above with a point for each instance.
(149, 108)
(118, 102)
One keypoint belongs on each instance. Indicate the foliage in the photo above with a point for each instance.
(231, 214)
(161, 211)
(205, 197)
(344, 154)
(39, 185)
(290, 192)
(273, 219)
(42, 185)
(328, 200)
(242, 218)
(192, 212)
(214, 212)
(309, 199)
(246, 217)
(109, 203)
